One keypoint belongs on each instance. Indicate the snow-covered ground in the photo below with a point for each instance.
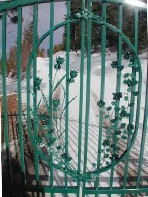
(74, 91)
(74, 88)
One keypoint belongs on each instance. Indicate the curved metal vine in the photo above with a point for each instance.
(118, 128)
(51, 140)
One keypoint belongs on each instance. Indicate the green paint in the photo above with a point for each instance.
(19, 74)
(58, 149)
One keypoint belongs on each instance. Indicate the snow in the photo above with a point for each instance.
(74, 88)
(43, 68)
(74, 91)
(43, 73)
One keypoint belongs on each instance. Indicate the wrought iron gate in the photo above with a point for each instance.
(84, 141)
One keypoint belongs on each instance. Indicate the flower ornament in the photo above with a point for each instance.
(130, 83)
(101, 103)
(73, 74)
(117, 96)
(37, 82)
(129, 56)
(85, 14)
(123, 113)
(56, 102)
(82, 14)
(106, 142)
(59, 147)
(114, 157)
(59, 61)
(130, 127)
(115, 64)
(64, 156)
(126, 55)
(77, 15)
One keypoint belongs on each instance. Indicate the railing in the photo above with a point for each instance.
(63, 151)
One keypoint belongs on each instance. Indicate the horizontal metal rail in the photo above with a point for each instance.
(116, 190)
(47, 189)
(17, 3)
(74, 189)
(86, 20)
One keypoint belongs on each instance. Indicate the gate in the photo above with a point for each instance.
(84, 129)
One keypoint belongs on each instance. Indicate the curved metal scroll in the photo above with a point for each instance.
(63, 161)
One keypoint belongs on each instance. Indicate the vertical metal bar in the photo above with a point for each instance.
(67, 84)
(6, 135)
(143, 136)
(118, 79)
(88, 82)
(132, 100)
(50, 83)
(136, 29)
(144, 124)
(28, 90)
(4, 101)
(35, 24)
(19, 75)
(81, 93)
(103, 47)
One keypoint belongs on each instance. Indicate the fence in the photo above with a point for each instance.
(82, 129)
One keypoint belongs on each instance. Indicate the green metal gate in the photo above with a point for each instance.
(108, 158)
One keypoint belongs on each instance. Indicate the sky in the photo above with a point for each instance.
(43, 24)
(0, 37)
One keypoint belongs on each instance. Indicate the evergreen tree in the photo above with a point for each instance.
(58, 47)
(75, 29)
(113, 19)
(27, 44)
(0, 65)
(12, 14)
(41, 53)
(142, 29)
(12, 60)
(26, 50)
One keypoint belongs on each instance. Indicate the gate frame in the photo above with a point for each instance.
(55, 189)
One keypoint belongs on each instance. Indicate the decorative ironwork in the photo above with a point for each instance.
(110, 153)
(119, 128)
(46, 139)
(85, 14)
(50, 139)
